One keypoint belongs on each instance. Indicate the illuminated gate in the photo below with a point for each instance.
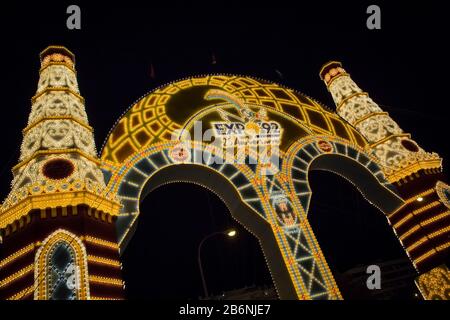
(161, 139)
(70, 214)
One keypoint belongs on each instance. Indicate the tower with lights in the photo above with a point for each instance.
(421, 223)
(57, 223)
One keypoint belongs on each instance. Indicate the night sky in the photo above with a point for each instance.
(403, 66)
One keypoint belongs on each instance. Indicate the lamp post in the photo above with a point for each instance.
(230, 234)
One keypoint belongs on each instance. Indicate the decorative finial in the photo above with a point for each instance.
(58, 55)
(331, 70)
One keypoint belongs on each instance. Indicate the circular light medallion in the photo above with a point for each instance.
(58, 169)
(410, 145)
(325, 146)
(443, 191)
(180, 153)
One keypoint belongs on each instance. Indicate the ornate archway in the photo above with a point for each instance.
(251, 141)
(164, 137)
(240, 211)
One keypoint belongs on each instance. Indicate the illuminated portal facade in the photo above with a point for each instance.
(71, 213)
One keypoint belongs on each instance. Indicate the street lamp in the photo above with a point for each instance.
(230, 234)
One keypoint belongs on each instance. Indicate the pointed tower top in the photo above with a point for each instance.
(57, 54)
(331, 70)
(400, 156)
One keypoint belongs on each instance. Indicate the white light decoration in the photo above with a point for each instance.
(57, 122)
(57, 129)
(398, 154)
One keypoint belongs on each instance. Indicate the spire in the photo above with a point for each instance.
(421, 222)
(58, 150)
(58, 120)
(400, 155)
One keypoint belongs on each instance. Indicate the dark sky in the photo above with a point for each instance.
(403, 66)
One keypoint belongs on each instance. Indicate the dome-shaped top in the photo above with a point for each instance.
(177, 105)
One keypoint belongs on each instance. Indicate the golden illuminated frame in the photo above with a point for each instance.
(41, 264)
(142, 142)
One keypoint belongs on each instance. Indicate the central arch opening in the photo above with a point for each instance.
(160, 262)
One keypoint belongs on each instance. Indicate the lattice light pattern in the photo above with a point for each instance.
(149, 120)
